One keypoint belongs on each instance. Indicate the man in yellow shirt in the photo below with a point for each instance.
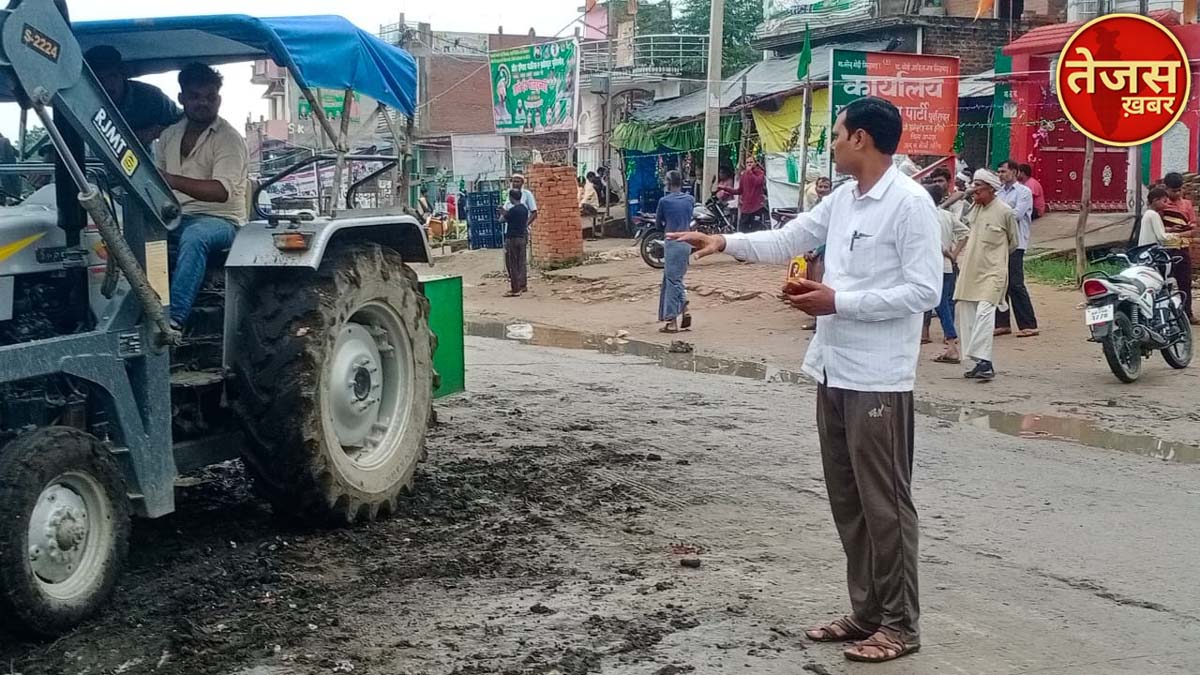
(203, 159)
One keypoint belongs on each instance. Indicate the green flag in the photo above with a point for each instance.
(805, 57)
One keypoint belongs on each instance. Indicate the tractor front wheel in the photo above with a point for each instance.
(64, 530)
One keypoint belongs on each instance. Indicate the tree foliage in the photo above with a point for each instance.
(741, 18)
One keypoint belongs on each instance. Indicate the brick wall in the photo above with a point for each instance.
(557, 235)
(460, 92)
(973, 42)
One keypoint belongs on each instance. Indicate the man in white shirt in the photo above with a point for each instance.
(203, 159)
(1020, 199)
(1153, 231)
(517, 182)
(883, 271)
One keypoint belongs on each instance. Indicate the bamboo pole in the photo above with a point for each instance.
(1084, 207)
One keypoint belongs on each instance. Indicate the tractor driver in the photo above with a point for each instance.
(146, 109)
(203, 159)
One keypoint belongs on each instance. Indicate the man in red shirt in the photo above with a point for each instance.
(752, 189)
(1179, 217)
(1025, 176)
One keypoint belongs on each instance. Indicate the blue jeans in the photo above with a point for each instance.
(194, 239)
(945, 309)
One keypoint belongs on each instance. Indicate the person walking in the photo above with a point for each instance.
(983, 272)
(674, 214)
(953, 231)
(1179, 217)
(882, 272)
(1020, 199)
(516, 235)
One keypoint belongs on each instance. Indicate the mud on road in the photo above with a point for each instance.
(546, 531)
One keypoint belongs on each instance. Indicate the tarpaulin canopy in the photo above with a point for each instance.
(320, 51)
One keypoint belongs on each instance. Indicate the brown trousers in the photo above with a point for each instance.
(515, 263)
(867, 453)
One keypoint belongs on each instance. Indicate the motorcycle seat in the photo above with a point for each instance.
(1126, 281)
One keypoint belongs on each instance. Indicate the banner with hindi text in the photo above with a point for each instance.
(535, 89)
(924, 88)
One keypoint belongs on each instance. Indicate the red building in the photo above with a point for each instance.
(1042, 136)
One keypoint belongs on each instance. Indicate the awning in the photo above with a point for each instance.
(1051, 39)
(320, 51)
(765, 78)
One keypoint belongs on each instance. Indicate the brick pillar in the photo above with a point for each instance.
(557, 235)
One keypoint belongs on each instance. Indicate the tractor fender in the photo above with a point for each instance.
(255, 244)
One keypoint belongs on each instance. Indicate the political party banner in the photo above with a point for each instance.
(924, 88)
(782, 17)
(535, 89)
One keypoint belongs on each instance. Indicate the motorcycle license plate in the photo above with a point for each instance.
(1095, 315)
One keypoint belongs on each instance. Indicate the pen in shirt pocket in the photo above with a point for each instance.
(856, 236)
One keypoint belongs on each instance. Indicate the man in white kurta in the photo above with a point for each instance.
(983, 272)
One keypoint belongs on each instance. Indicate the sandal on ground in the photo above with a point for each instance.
(809, 326)
(1001, 331)
(686, 322)
(512, 294)
(669, 328)
(1028, 332)
(946, 358)
(926, 341)
(878, 648)
(838, 630)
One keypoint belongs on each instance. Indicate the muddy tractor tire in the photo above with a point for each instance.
(335, 385)
(64, 530)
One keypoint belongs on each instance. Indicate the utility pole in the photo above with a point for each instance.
(1085, 206)
(744, 144)
(1144, 10)
(611, 29)
(805, 131)
(712, 113)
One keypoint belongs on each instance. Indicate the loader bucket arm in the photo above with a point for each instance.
(39, 53)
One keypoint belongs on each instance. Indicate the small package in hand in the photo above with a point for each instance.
(798, 270)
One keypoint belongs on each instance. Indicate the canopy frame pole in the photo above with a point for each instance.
(401, 147)
(342, 145)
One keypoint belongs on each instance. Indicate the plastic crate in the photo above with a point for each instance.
(485, 236)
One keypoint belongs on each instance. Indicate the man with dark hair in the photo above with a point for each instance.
(146, 109)
(752, 190)
(516, 234)
(953, 230)
(1179, 217)
(1025, 176)
(1020, 199)
(203, 159)
(940, 177)
(883, 270)
(1153, 231)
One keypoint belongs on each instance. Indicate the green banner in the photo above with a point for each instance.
(535, 89)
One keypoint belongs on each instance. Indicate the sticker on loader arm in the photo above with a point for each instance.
(156, 270)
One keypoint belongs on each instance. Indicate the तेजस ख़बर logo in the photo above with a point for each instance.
(1123, 79)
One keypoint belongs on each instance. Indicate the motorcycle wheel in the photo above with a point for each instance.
(652, 249)
(1121, 349)
(1179, 355)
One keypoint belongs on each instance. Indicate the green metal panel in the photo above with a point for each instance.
(1002, 107)
(445, 295)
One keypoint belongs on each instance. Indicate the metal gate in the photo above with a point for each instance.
(1060, 169)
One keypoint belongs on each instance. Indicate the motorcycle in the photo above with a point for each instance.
(1137, 311)
(713, 217)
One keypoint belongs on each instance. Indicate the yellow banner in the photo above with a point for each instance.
(777, 129)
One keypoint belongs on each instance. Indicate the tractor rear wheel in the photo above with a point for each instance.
(64, 530)
(335, 374)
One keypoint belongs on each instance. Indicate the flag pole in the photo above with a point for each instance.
(805, 129)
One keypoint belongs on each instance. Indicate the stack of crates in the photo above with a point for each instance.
(484, 228)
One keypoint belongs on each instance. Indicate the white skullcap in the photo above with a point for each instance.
(985, 176)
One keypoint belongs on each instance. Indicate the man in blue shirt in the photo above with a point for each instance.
(145, 107)
(1020, 199)
(516, 234)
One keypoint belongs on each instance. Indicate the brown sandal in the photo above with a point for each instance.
(838, 630)
(887, 648)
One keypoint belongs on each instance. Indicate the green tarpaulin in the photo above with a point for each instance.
(685, 137)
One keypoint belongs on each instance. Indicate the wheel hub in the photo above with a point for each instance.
(58, 534)
(356, 385)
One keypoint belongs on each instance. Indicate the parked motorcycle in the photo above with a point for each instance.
(713, 217)
(1137, 311)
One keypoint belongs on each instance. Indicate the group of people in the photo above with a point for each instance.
(985, 232)
(1170, 221)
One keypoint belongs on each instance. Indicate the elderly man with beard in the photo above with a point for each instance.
(983, 272)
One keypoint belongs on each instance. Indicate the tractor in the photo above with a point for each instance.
(309, 355)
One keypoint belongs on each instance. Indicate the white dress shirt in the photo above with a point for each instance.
(883, 253)
(1020, 199)
(1153, 231)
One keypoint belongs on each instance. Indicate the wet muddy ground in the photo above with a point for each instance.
(548, 531)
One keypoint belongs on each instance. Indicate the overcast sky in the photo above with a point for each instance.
(241, 98)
